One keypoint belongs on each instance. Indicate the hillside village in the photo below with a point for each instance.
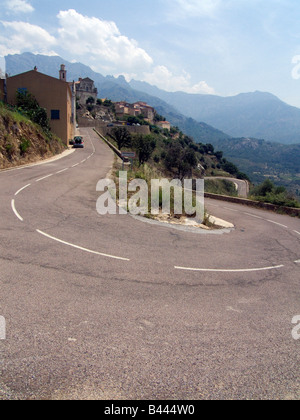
(71, 105)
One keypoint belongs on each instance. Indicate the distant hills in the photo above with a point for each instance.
(258, 115)
(116, 89)
(261, 159)
(240, 120)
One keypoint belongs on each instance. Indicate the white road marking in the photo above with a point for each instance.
(297, 262)
(21, 189)
(246, 270)
(275, 223)
(63, 170)
(81, 248)
(76, 164)
(230, 308)
(297, 232)
(253, 215)
(45, 177)
(15, 211)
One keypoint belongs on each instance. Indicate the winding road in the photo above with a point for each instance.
(109, 307)
(242, 186)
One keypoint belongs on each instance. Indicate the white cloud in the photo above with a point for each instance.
(98, 44)
(22, 36)
(19, 6)
(196, 8)
(163, 78)
(100, 40)
(5, 50)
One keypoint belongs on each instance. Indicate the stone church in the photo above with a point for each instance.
(85, 88)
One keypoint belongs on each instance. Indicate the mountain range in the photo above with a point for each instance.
(239, 120)
(261, 159)
(258, 115)
(116, 89)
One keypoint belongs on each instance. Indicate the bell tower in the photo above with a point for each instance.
(63, 73)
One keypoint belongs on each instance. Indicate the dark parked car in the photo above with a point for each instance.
(78, 143)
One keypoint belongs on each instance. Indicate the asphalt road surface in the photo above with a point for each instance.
(109, 307)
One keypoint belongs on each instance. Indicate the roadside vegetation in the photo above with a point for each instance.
(268, 192)
(174, 154)
(25, 134)
(148, 173)
(221, 187)
(165, 154)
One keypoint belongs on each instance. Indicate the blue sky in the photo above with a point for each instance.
(221, 47)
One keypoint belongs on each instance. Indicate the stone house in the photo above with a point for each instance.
(146, 110)
(138, 108)
(164, 125)
(55, 95)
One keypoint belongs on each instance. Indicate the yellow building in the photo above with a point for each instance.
(55, 95)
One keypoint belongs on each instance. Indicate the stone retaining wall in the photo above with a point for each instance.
(258, 204)
(114, 149)
(103, 128)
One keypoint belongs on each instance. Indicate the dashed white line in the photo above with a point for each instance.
(81, 248)
(275, 223)
(63, 170)
(243, 270)
(253, 215)
(13, 206)
(297, 232)
(297, 262)
(21, 189)
(45, 177)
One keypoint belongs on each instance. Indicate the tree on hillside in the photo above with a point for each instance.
(158, 117)
(144, 146)
(28, 104)
(121, 136)
(265, 188)
(219, 155)
(180, 160)
(90, 101)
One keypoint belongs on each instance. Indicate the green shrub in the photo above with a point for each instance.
(28, 105)
(269, 193)
(24, 146)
